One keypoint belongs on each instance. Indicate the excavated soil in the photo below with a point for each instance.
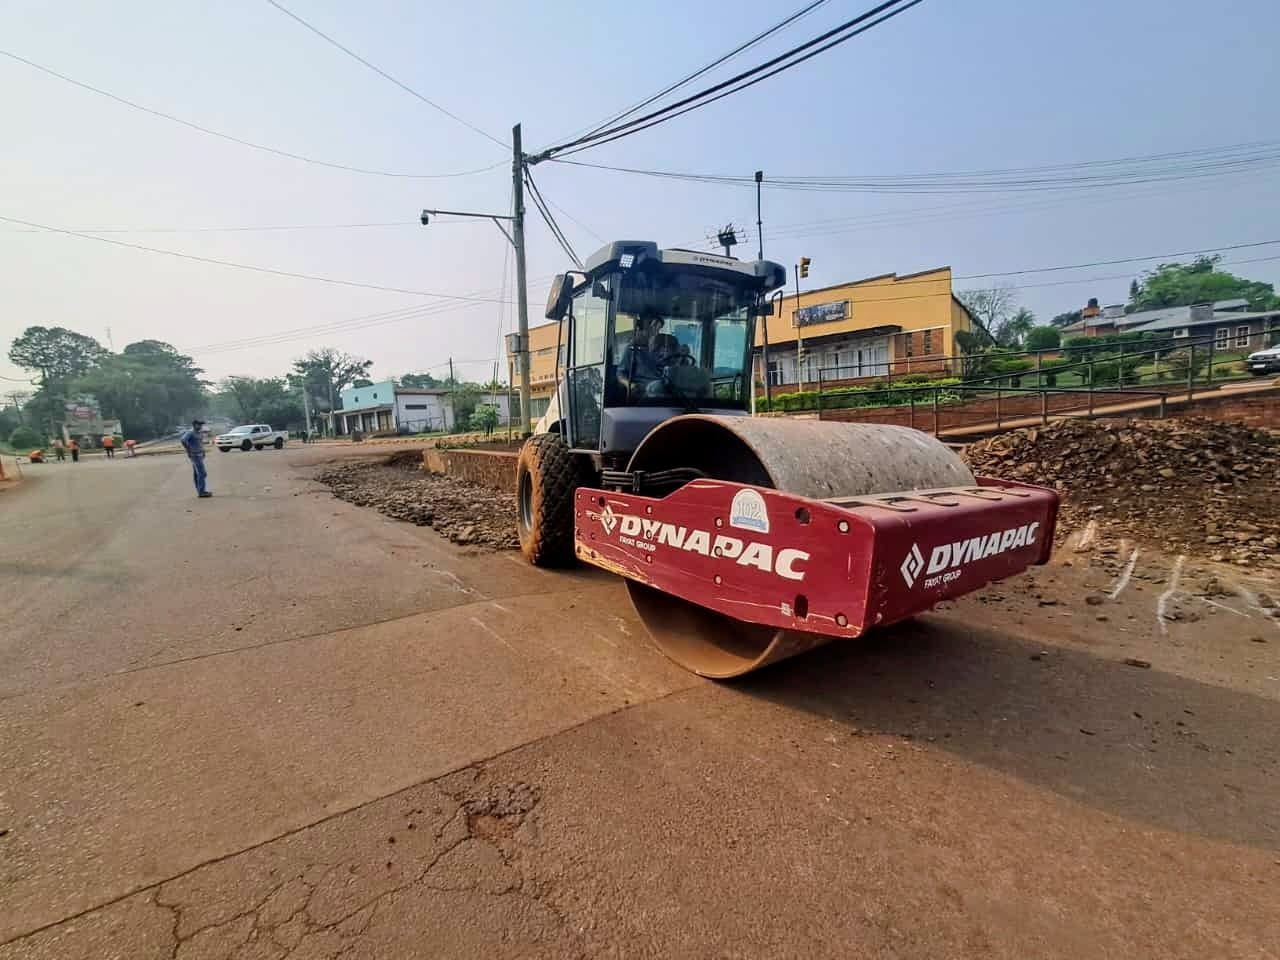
(464, 512)
(1189, 485)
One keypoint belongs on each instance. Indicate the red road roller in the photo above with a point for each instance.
(743, 540)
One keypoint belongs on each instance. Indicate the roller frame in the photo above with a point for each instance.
(813, 569)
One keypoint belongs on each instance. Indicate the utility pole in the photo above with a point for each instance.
(522, 293)
(802, 270)
(453, 387)
(332, 432)
(759, 221)
(306, 409)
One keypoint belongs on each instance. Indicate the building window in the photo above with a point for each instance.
(375, 396)
(911, 344)
(355, 398)
(415, 406)
(928, 343)
(1242, 335)
(774, 374)
(1220, 337)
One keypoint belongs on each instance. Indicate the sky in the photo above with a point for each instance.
(947, 86)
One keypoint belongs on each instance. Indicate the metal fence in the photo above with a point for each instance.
(959, 408)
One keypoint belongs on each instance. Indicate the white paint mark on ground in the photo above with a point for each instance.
(1223, 606)
(498, 606)
(1086, 537)
(1162, 604)
(493, 633)
(1251, 598)
(1122, 581)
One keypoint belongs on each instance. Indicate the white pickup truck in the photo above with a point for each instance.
(250, 436)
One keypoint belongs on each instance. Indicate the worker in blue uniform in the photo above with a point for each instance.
(193, 443)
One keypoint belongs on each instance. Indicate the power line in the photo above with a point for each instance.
(1216, 161)
(240, 266)
(382, 73)
(689, 78)
(550, 221)
(251, 229)
(842, 33)
(353, 324)
(240, 140)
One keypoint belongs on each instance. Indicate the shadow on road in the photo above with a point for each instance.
(1143, 744)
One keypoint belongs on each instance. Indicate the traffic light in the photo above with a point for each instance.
(804, 266)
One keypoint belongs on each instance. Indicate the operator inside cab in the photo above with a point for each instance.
(648, 365)
(639, 369)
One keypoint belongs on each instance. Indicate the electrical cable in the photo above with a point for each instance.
(556, 232)
(670, 88)
(744, 79)
(1154, 168)
(263, 229)
(382, 73)
(239, 266)
(240, 140)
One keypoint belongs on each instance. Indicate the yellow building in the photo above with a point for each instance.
(542, 367)
(864, 328)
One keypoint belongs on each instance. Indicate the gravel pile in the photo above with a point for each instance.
(1197, 485)
(466, 513)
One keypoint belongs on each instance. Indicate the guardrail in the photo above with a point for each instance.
(1045, 363)
(958, 408)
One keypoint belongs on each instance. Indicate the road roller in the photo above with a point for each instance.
(743, 540)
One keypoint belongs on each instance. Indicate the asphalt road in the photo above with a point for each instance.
(272, 724)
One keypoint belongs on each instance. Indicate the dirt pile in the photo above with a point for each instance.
(1192, 485)
(464, 512)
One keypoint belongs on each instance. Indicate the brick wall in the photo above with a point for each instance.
(1262, 412)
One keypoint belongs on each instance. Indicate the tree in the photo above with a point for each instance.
(1181, 284)
(324, 373)
(1012, 331)
(266, 400)
(1067, 319)
(56, 353)
(990, 308)
(24, 438)
(10, 420)
(149, 386)
(420, 381)
(464, 397)
(484, 418)
(1043, 338)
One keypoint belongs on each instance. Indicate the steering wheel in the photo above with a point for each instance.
(682, 358)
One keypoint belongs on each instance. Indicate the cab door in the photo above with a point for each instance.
(585, 379)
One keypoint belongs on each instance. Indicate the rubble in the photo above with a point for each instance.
(464, 512)
(1182, 484)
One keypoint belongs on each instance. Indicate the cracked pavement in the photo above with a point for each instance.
(301, 730)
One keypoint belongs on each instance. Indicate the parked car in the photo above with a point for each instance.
(253, 436)
(1264, 361)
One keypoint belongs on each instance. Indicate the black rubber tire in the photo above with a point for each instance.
(246, 446)
(279, 443)
(547, 474)
(225, 449)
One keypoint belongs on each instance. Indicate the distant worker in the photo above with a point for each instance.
(74, 447)
(191, 442)
(129, 447)
(59, 448)
(109, 445)
(36, 456)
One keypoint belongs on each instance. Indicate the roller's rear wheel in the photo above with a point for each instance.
(547, 474)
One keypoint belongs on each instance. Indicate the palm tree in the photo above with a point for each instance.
(1014, 330)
